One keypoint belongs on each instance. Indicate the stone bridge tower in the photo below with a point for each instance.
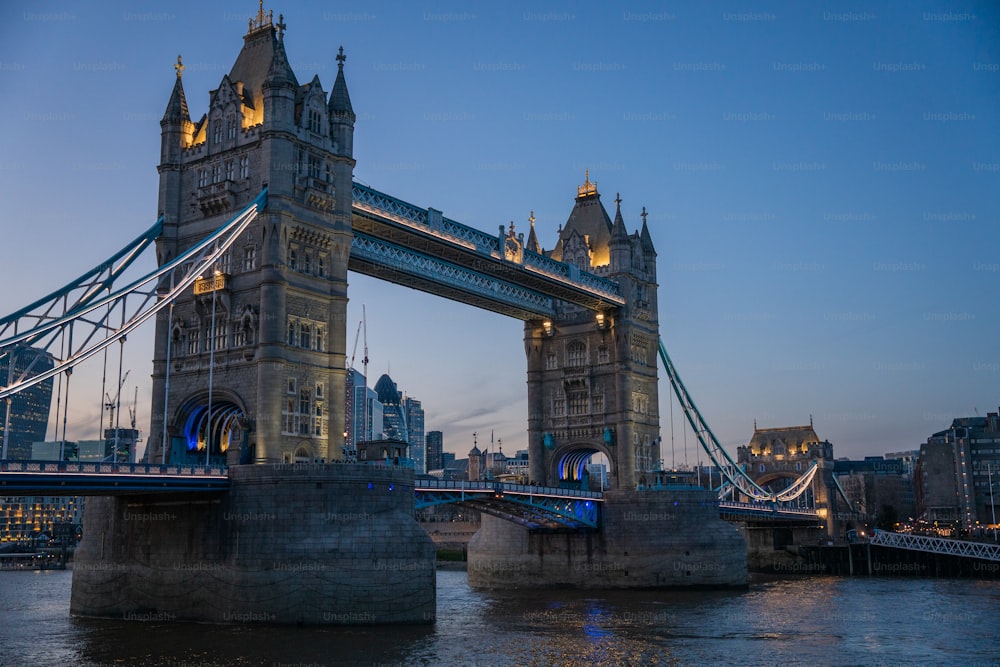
(279, 296)
(776, 457)
(592, 377)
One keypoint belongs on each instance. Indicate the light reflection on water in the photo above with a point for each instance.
(809, 620)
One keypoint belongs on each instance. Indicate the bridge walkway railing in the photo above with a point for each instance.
(109, 468)
(937, 545)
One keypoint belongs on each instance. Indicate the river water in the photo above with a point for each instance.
(800, 621)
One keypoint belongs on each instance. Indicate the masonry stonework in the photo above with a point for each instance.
(648, 539)
(308, 544)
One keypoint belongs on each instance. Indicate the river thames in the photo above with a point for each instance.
(792, 621)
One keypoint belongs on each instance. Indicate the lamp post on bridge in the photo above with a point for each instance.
(993, 508)
(211, 370)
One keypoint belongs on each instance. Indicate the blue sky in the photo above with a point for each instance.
(823, 182)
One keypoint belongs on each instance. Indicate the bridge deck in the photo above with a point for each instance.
(71, 478)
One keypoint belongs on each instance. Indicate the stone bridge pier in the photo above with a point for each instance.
(648, 539)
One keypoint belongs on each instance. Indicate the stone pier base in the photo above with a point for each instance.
(778, 549)
(648, 539)
(287, 544)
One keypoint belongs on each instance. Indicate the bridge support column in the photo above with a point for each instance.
(287, 544)
(648, 539)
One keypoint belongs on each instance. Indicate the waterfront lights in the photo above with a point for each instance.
(602, 321)
(547, 327)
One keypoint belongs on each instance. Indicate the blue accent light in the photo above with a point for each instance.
(676, 503)
(391, 487)
(370, 485)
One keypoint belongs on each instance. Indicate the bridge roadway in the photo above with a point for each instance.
(106, 478)
(535, 507)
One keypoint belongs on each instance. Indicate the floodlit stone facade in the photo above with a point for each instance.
(278, 332)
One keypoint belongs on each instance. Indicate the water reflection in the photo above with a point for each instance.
(812, 620)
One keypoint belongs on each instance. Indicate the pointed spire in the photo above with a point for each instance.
(644, 237)
(340, 100)
(177, 108)
(280, 27)
(533, 244)
(279, 71)
(618, 232)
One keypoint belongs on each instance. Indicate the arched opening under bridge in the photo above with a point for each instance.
(570, 467)
(219, 426)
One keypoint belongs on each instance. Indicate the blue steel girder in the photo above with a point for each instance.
(388, 261)
(427, 232)
(97, 319)
(536, 512)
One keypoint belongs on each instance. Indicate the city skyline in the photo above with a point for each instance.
(821, 183)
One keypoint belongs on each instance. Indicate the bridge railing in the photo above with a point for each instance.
(110, 468)
(937, 545)
(506, 487)
(769, 508)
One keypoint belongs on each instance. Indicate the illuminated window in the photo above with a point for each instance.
(193, 340)
(225, 262)
(250, 258)
(221, 333)
(638, 350)
(305, 405)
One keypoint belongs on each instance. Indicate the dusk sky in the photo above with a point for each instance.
(822, 181)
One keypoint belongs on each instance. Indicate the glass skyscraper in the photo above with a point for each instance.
(29, 409)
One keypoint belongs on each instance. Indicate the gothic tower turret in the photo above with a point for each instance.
(279, 330)
(342, 115)
(592, 376)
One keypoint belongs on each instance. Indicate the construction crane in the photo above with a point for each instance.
(354, 352)
(351, 452)
(112, 403)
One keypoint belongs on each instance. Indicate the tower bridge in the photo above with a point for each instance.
(260, 220)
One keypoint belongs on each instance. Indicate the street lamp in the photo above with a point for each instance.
(993, 508)
(211, 368)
